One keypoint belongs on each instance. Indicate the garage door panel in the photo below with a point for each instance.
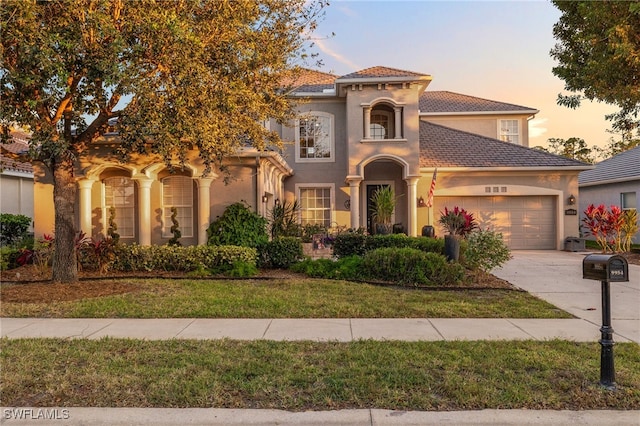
(526, 222)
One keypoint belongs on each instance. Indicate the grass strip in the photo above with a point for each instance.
(315, 376)
(291, 298)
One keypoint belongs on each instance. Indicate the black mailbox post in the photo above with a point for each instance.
(606, 268)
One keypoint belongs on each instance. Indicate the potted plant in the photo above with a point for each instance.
(458, 223)
(383, 203)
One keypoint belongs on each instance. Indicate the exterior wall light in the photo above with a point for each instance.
(571, 200)
(421, 202)
(265, 198)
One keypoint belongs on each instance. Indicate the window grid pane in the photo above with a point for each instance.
(120, 194)
(509, 131)
(177, 191)
(316, 206)
(315, 137)
(379, 126)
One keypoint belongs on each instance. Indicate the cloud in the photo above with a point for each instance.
(338, 57)
(537, 128)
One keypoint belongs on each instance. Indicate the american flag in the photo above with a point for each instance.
(433, 188)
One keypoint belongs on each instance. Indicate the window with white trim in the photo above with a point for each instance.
(628, 200)
(119, 193)
(509, 131)
(314, 137)
(315, 205)
(177, 191)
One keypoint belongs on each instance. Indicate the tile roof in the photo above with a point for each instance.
(381, 72)
(446, 147)
(444, 101)
(624, 166)
(18, 146)
(311, 81)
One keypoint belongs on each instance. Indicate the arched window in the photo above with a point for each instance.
(120, 194)
(177, 191)
(383, 122)
(314, 137)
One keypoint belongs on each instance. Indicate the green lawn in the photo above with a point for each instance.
(291, 298)
(315, 376)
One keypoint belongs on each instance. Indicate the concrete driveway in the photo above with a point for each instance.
(556, 276)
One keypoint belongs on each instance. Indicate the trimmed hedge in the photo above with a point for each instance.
(350, 244)
(408, 266)
(13, 228)
(176, 258)
(280, 253)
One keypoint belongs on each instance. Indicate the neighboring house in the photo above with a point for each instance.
(615, 181)
(16, 177)
(379, 126)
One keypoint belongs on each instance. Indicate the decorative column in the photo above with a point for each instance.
(412, 207)
(204, 208)
(144, 211)
(367, 122)
(85, 186)
(354, 193)
(398, 122)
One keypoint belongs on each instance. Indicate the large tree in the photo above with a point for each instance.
(575, 148)
(598, 54)
(176, 75)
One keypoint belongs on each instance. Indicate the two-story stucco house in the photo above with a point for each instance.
(378, 126)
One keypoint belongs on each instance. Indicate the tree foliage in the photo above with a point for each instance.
(598, 54)
(574, 148)
(176, 75)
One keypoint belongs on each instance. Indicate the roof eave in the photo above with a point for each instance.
(430, 169)
(467, 113)
(608, 181)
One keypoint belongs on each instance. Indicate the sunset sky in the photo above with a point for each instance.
(496, 50)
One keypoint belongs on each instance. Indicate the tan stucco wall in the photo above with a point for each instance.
(484, 125)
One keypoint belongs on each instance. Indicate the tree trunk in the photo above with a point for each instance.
(65, 268)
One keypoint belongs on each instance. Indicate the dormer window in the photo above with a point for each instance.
(508, 131)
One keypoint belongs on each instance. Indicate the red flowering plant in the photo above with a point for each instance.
(606, 225)
(458, 221)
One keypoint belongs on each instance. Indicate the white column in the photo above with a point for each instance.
(398, 122)
(204, 208)
(354, 193)
(412, 208)
(367, 122)
(144, 211)
(85, 186)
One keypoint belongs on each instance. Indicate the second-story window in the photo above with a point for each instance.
(314, 137)
(509, 131)
(381, 124)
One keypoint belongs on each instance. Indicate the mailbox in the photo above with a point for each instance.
(605, 267)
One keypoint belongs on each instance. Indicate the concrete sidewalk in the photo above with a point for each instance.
(327, 329)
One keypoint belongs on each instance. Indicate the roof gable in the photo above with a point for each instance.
(450, 102)
(381, 72)
(442, 146)
(312, 81)
(620, 167)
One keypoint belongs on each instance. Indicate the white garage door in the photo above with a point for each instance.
(525, 222)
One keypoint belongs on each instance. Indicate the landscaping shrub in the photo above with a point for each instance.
(13, 228)
(177, 258)
(280, 253)
(486, 250)
(346, 268)
(407, 266)
(8, 258)
(349, 244)
(238, 226)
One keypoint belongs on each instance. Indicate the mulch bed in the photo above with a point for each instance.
(34, 286)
